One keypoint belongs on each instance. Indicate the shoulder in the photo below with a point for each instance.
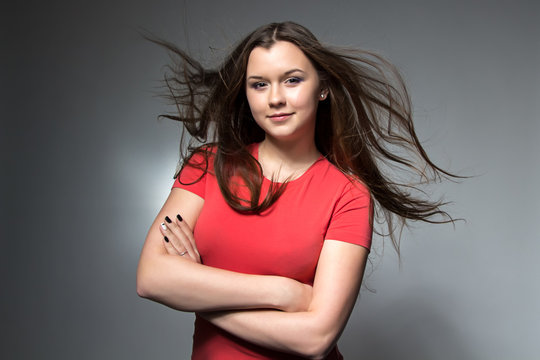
(351, 210)
(201, 158)
(342, 182)
(194, 170)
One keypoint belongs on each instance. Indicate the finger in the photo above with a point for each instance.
(179, 239)
(168, 246)
(185, 236)
(172, 243)
(189, 234)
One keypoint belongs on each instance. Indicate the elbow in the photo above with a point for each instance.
(319, 344)
(150, 277)
(144, 283)
(142, 288)
(319, 350)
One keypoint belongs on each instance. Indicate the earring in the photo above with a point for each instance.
(322, 96)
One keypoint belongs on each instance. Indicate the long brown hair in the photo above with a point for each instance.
(364, 127)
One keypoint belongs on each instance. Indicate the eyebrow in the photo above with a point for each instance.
(257, 77)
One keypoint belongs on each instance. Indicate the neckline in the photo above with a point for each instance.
(255, 153)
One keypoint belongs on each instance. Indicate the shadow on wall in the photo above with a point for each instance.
(406, 328)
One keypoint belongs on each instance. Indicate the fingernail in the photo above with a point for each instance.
(166, 239)
(179, 217)
(168, 219)
(163, 226)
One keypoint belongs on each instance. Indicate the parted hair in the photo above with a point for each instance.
(364, 127)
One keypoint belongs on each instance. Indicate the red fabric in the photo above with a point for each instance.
(285, 240)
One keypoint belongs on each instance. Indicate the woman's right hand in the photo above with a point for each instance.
(178, 238)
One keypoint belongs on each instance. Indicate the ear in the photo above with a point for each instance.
(323, 94)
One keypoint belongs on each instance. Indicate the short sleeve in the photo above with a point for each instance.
(192, 177)
(351, 218)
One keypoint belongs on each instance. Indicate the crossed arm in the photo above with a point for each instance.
(249, 306)
(182, 283)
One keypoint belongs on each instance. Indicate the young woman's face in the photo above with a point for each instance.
(283, 91)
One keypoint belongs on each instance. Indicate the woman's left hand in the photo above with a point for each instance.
(178, 239)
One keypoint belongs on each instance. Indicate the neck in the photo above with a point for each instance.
(281, 159)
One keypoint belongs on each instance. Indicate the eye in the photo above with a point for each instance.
(294, 80)
(257, 85)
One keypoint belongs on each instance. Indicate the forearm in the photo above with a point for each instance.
(188, 286)
(306, 334)
(314, 332)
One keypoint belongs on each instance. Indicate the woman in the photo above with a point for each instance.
(266, 232)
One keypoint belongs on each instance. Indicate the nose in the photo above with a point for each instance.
(276, 98)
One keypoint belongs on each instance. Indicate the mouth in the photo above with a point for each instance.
(279, 116)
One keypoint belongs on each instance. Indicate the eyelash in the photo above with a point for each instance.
(291, 80)
(295, 78)
(257, 85)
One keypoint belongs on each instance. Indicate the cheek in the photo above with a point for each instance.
(304, 100)
(256, 104)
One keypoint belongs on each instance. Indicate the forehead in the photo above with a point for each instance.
(281, 57)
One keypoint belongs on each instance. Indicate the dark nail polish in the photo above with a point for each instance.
(166, 239)
(179, 217)
(168, 219)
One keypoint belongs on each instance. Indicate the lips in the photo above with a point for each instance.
(280, 116)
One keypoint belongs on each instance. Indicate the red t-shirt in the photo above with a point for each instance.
(285, 240)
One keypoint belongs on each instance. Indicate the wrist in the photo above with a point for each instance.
(276, 292)
(285, 294)
(272, 295)
(291, 295)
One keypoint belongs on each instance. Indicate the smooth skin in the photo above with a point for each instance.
(283, 91)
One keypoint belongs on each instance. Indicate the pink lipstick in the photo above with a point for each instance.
(280, 116)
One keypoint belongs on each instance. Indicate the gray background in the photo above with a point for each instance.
(85, 168)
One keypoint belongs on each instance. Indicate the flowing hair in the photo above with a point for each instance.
(364, 127)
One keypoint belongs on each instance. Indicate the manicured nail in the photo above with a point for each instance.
(168, 219)
(166, 239)
(179, 217)
(163, 226)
